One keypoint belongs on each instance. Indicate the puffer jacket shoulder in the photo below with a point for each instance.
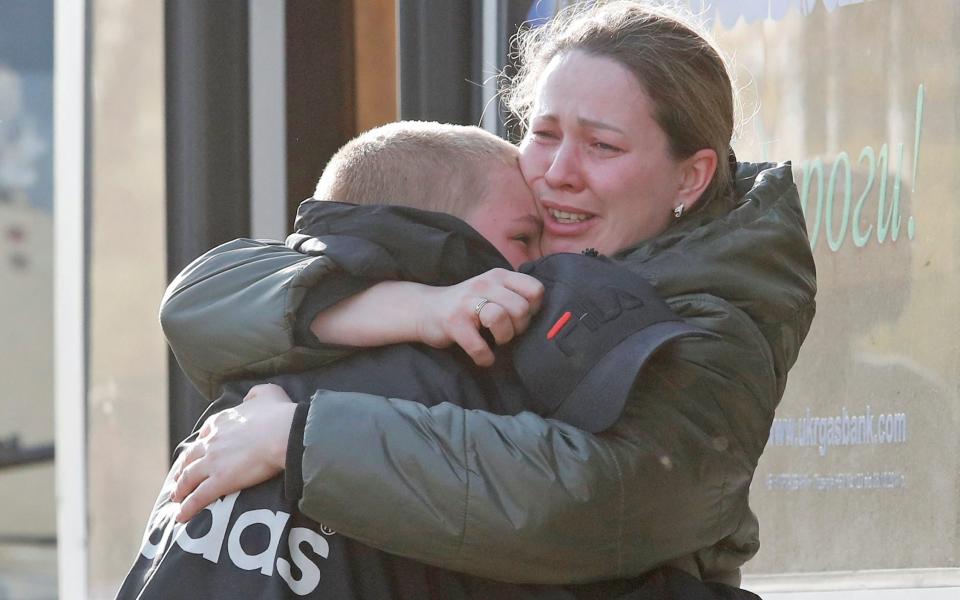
(230, 314)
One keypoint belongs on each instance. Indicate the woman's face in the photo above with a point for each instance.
(597, 162)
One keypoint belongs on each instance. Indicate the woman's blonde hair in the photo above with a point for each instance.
(680, 70)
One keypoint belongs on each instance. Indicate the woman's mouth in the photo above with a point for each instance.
(565, 221)
(565, 218)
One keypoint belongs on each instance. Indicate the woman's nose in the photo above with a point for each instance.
(565, 168)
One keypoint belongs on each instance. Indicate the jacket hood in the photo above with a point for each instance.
(751, 251)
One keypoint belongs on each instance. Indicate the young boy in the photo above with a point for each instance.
(462, 171)
(255, 543)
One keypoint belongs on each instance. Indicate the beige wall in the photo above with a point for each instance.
(127, 416)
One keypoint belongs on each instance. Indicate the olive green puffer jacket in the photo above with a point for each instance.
(526, 499)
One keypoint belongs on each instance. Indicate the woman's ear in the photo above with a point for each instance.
(695, 175)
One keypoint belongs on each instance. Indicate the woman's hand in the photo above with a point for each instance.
(450, 315)
(396, 312)
(236, 449)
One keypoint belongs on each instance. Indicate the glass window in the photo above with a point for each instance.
(28, 518)
(860, 472)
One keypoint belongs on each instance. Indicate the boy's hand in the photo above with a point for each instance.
(500, 300)
(236, 449)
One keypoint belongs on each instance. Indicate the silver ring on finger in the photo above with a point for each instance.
(483, 302)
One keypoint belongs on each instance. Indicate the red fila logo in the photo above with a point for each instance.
(563, 320)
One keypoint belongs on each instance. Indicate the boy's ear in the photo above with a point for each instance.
(695, 175)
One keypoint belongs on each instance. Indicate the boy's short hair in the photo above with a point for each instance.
(420, 164)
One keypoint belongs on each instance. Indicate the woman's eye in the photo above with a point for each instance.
(523, 238)
(605, 147)
(542, 134)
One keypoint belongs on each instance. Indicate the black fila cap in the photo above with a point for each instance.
(599, 324)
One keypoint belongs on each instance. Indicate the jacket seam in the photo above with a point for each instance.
(751, 326)
(623, 509)
(466, 490)
(289, 310)
(798, 311)
(241, 371)
(217, 252)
